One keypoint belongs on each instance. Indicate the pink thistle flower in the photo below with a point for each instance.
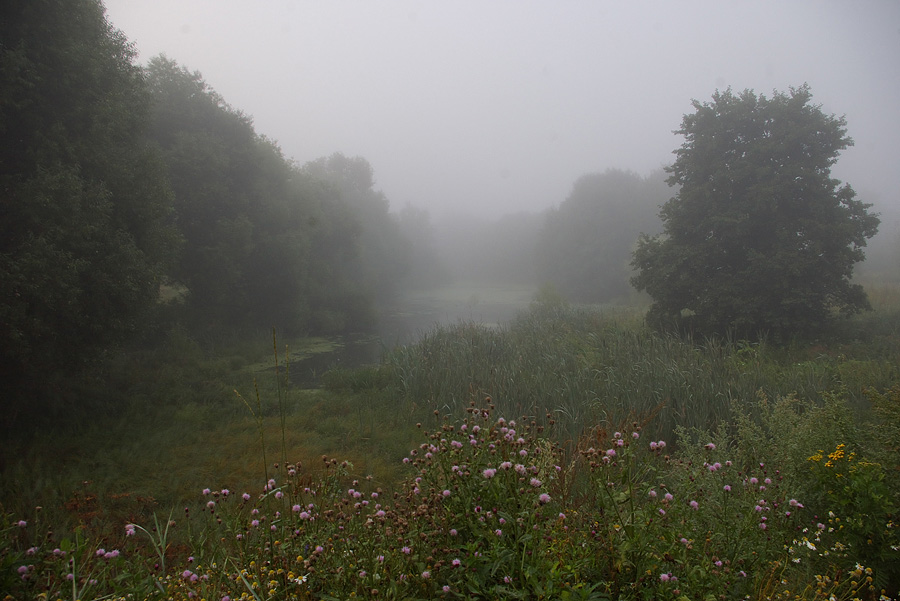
(245, 496)
(727, 488)
(446, 588)
(652, 494)
(446, 493)
(535, 482)
(296, 509)
(694, 505)
(710, 446)
(489, 473)
(406, 550)
(456, 563)
(523, 453)
(665, 577)
(498, 532)
(206, 491)
(453, 532)
(544, 499)
(426, 574)
(635, 435)
(211, 505)
(653, 446)
(21, 523)
(254, 523)
(610, 452)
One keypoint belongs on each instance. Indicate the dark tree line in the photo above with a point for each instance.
(120, 181)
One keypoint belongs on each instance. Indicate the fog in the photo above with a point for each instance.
(491, 108)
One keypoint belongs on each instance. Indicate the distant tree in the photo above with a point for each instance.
(248, 217)
(383, 249)
(85, 230)
(584, 248)
(759, 237)
(426, 267)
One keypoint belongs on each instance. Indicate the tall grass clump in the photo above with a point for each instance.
(584, 366)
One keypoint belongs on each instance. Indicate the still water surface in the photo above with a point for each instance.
(409, 318)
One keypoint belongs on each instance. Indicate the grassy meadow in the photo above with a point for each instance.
(568, 454)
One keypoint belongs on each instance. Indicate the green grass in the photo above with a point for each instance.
(193, 416)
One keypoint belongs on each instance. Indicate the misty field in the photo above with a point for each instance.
(568, 454)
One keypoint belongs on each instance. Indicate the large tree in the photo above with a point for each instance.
(84, 205)
(759, 238)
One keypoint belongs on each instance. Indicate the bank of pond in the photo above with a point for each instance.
(567, 453)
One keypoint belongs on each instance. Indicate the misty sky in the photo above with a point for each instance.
(498, 106)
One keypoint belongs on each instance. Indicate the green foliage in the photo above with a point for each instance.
(585, 245)
(759, 238)
(489, 508)
(246, 223)
(383, 250)
(85, 225)
(585, 365)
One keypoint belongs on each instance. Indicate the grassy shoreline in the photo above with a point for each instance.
(576, 372)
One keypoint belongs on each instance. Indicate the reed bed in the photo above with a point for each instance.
(585, 367)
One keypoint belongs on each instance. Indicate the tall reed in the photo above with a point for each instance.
(585, 367)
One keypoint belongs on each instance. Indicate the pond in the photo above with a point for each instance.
(406, 320)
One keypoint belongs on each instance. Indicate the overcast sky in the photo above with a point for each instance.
(498, 106)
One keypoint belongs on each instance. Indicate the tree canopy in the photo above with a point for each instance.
(85, 231)
(759, 238)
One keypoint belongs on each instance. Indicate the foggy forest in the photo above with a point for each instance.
(332, 301)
